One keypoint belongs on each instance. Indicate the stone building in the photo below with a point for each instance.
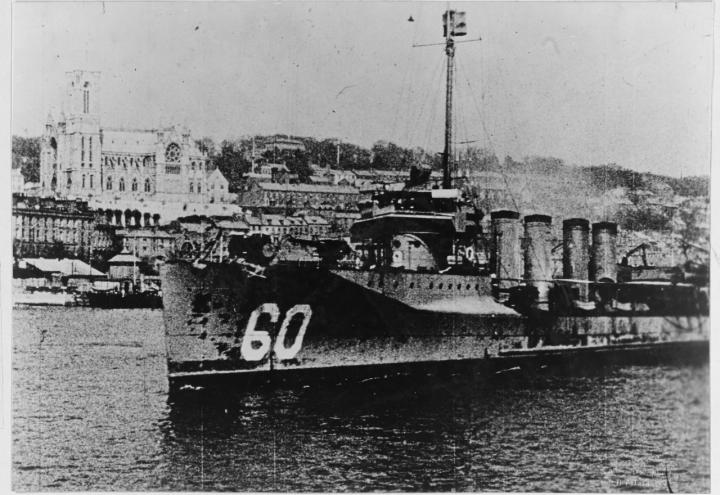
(151, 168)
(51, 228)
(317, 197)
(147, 243)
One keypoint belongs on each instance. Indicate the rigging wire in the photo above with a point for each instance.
(430, 128)
(492, 146)
(415, 132)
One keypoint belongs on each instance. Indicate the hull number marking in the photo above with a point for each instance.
(251, 352)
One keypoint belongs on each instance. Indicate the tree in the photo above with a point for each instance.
(298, 163)
(206, 145)
(26, 156)
(232, 163)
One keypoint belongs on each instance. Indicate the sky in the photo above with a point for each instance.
(590, 83)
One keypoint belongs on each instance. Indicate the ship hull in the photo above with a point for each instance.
(576, 360)
(296, 323)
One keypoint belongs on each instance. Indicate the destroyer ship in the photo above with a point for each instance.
(413, 291)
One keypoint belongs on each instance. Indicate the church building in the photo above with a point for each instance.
(81, 159)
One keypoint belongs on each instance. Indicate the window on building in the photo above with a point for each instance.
(82, 151)
(172, 153)
(83, 181)
(91, 182)
(199, 188)
(86, 98)
(147, 185)
(108, 184)
(192, 166)
(192, 188)
(121, 184)
(69, 180)
(134, 185)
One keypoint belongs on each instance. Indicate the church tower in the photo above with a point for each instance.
(71, 147)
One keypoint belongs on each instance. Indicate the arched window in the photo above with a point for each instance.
(147, 185)
(134, 185)
(108, 184)
(83, 181)
(86, 98)
(192, 166)
(192, 188)
(121, 184)
(91, 182)
(199, 188)
(172, 153)
(69, 181)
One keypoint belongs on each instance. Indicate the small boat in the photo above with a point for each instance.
(120, 299)
(44, 296)
(124, 294)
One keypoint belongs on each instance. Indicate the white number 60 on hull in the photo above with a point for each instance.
(262, 337)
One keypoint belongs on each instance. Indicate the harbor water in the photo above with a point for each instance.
(91, 412)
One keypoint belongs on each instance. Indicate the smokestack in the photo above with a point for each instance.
(604, 252)
(505, 256)
(576, 248)
(538, 257)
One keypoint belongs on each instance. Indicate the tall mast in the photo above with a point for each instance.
(450, 52)
(453, 25)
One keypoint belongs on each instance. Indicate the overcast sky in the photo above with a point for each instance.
(589, 83)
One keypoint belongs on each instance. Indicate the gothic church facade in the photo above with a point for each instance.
(81, 159)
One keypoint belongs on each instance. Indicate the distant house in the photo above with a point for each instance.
(61, 267)
(147, 243)
(217, 187)
(124, 265)
(48, 272)
(317, 225)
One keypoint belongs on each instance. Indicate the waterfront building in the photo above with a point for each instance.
(147, 243)
(124, 265)
(46, 227)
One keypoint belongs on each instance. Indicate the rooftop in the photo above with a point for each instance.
(307, 188)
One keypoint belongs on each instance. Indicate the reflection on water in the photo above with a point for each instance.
(91, 411)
